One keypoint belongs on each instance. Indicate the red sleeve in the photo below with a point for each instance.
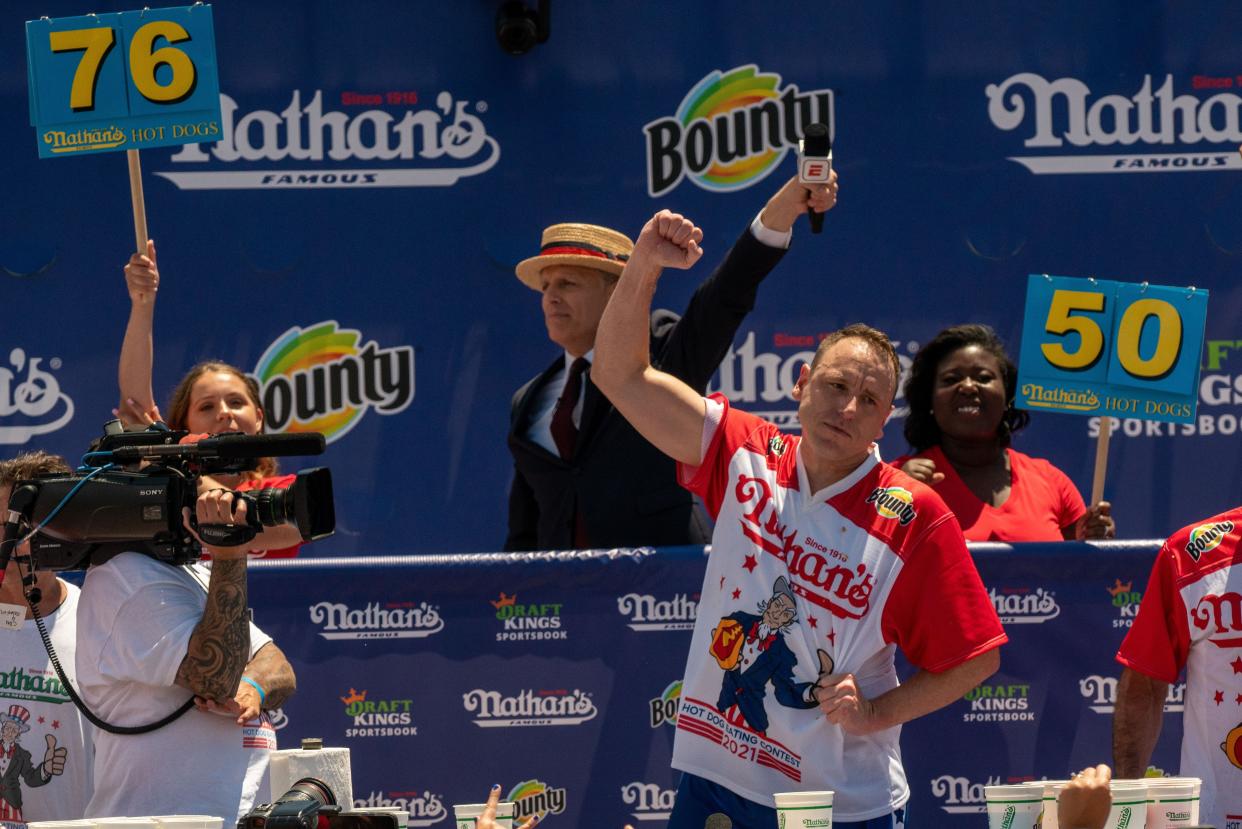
(276, 482)
(1158, 643)
(1070, 506)
(938, 612)
(710, 479)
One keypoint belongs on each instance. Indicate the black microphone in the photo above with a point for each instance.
(234, 445)
(15, 510)
(718, 820)
(815, 164)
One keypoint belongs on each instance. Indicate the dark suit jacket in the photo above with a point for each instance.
(627, 489)
(21, 767)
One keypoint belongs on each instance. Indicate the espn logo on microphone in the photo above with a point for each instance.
(814, 170)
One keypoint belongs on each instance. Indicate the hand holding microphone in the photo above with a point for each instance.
(815, 168)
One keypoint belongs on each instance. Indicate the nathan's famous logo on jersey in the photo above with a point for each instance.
(648, 801)
(1220, 613)
(432, 146)
(323, 378)
(959, 795)
(31, 402)
(1207, 537)
(32, 685)
(378, 717)
(493, 709)
(1127, 600)
(731, 130)
(1101, 694)
(534, 797)
(821, 575)
(893, 502)
(390, 620)
(523, 621)
(1065, 111)
(424, 808)
(647, 613)
(762, 381)
(999, 703)
(1022, 605)
(663, 709)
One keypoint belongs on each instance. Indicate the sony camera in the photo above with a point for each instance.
(130, 494)
(311, 805)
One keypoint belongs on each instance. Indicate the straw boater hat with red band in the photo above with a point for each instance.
(587, 246)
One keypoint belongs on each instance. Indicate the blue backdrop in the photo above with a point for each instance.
(384, 165)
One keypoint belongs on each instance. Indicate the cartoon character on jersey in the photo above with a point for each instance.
(17, 766)
(752, 651)
(1233, 746)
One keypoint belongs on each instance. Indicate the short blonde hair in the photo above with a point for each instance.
(873, 337)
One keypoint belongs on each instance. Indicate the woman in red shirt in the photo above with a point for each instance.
(961, 392)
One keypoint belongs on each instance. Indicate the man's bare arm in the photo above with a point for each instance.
(274, 674)
(1137, 718)
(220, 644)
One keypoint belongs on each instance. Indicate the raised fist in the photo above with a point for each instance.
(670, 240)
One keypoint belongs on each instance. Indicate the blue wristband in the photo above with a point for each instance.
(257, 687)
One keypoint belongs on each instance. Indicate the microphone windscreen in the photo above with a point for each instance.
(718, 821)
(815, 141)
(261, 446)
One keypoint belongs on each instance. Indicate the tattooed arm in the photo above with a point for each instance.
(220, 644)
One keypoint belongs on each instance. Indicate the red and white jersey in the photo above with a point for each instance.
(872, 562)
(1191, 617)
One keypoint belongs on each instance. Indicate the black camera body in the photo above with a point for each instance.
(132, 500)
(310, 804)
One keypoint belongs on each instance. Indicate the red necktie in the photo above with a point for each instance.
(564, 432)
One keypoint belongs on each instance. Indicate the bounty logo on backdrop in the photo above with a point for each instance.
(424, 808)
(322, 378)
(1064, 121)
(31, 402)
(433, 146)
(664, 708)
(959, 796)
(534, 797)
(731, 130)
(1101, 694)
(649, 800)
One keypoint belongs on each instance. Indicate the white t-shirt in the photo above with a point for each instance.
(136, 617)
(31, 692)
(873, 562)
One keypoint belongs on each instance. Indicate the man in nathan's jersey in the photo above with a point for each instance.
(856, 557)
(1190, 617)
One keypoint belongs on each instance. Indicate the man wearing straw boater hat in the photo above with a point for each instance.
(582, 476)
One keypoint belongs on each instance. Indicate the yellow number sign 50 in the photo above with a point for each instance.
(144, 61)
(1062, 320)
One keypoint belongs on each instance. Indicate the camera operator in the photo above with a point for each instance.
(45, 744)
(148, 632)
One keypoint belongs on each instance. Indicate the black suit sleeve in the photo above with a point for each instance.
(523, 515)
(691, 348)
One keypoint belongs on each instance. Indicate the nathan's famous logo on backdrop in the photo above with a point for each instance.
(378, 717)
(534, 797)
(648, 800)
(647, 613)
(1062, 118)
(424, 808)
(731, 130)
(999, 703)
(1127, 600)
(494, 709)
(323, 378)
(278, 718)
(1207, 537)
(390, 620)
(759, 379)
(522, 621)
(31, 402)
(430, 146)
(1022, 605)
(663, 709)
(959, 795)
(1101, 694)
(1220, 394)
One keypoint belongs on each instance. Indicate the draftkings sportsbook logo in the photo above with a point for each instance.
(959, 796)
(323, 378)
(1126, 600)
(534, 797)
(378, 717)
(522, 622)
(492, 709)
(647, 613)
(1207, 537)
(1064, 113)
(424, 808)
(999, 703)
(1021, 605)
(434, 146)
(392, 620)
(663, 709)
(731, 130)
(1101, 694)
(648, 800)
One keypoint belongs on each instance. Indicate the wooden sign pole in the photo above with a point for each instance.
(1101, 460)
(135, 195)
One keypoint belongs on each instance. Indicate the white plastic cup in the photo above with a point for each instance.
(468, 814)
(61, 824)
(1049, 790)
(189, 822)
(1172, 801)
(1129, 810)
(1014, 806)
(403, 817)
(803, 810)
(126, 823)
